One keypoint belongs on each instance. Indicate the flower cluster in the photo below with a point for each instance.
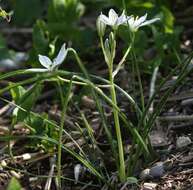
(134, 23)
(113, 20)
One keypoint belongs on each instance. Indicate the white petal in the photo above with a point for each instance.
(45, 61)
(149, 22)
(104, 19)
(131, 23)
(131, 20)
(113, 16)
(122, 19)
(61, 56)
(139, 21)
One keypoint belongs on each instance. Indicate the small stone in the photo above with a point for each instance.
(77, 172)
(26, 156)
(15, 61)
(149, 186)
(157, 170)
(88, 102)
(145, 174)
(15, 174)
(183, 142)
(3, 163)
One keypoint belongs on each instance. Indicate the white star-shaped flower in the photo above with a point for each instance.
(114, 19)
(136, 23)
(51, 65)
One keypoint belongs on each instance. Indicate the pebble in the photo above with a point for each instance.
(145, 174)
(14, 62)
(77, 172)
(149, 186)
(156, 171)
(182, 142)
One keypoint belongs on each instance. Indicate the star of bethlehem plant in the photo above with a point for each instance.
(109, 51)
(125, 163)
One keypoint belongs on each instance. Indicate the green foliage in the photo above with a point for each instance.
(131, 4)
(25, 99)
(40, 37)
(40, 127)
(4, 51)
(62, 18)
(132, 180)
(61, 24)
(26, 12)
(65, 11)
(168, 19)
(14, 184)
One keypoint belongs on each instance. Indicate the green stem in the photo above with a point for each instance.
(139, 82)
(98, 104)
(122, 174)
(124, 56)
(124, 5)
(103, 50)
(64, 102)
(121, 168)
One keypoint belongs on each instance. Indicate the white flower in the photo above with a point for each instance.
(113, 19)
(135, 23)
(51, 65)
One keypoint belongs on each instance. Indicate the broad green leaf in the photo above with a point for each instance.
(26, 101)
(14, 185)
(168, 19)
(132, 180)
(17, 93)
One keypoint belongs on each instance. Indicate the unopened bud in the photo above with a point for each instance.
(101, 27)
(107, 51)
(112, 43)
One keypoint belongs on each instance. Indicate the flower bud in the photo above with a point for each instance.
(101, 27)
(107, 51)
(112, 43)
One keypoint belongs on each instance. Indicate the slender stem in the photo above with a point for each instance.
(103, 50)
(118, 131)
(60, 138)
(152, 87)
(121, 168)
(132, 36)
(122, 60)
(116, 117)
(139, 82)
(124, 5)
(98, 104)
(64, 102)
